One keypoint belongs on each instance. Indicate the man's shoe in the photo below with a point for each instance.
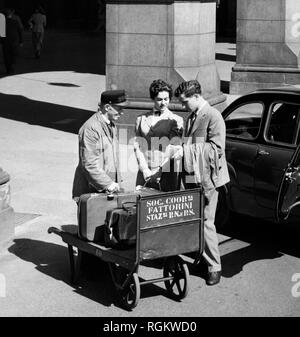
(213, 278)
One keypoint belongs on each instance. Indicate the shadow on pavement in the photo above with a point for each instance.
(225, 86)
(234, 262)
(65, 50)
(48, 258)
(267, 241)
(50, 115)
(283, 238)
(94, 281)
(64, 84)
(52, 260)
(225, 57)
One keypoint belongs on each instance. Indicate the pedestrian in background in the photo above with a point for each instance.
(205, 133)
(37, 24)
(18, 19)
(11, 42)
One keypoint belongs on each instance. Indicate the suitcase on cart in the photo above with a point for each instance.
(93, 207)
(120, 226)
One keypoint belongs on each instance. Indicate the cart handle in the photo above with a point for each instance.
(128, 206)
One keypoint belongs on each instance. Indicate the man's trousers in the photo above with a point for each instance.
(211, 254)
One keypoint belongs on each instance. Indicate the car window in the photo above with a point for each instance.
(283, 123)
(244, 121)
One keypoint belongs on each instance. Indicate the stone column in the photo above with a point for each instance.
(171, 40)
(268, 45)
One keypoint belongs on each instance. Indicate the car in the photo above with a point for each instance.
(263, 155)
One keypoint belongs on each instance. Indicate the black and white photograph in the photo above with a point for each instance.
(149, 162)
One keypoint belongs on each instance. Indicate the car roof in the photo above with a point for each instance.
(290, 89)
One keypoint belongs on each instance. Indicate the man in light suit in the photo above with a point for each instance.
(98, 167)
(205, 131)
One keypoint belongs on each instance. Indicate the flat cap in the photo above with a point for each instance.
(114, 97)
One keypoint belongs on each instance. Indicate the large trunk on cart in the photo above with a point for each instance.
(94, 207)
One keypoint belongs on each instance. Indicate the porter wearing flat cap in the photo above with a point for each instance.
(114, 97)
(98, 167)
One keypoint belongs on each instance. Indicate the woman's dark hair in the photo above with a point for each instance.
(158, 86)
(188, 88)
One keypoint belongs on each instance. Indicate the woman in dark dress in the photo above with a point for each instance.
(158, 141)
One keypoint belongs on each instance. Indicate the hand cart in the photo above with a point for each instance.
(168, 224)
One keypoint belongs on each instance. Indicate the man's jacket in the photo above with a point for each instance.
(204, 150)
(98, 163)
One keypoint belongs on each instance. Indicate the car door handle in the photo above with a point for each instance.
(263, 153)
(289, 177)
(291, 173)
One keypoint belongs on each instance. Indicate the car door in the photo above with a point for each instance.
(289, 191)
(273, 156)
(243, 122)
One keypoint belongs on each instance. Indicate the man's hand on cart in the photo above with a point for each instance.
(113, 188)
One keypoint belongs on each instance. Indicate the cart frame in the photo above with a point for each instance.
(166, 239)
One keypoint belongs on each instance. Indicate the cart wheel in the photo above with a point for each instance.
(131, 295)
(177, 268)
